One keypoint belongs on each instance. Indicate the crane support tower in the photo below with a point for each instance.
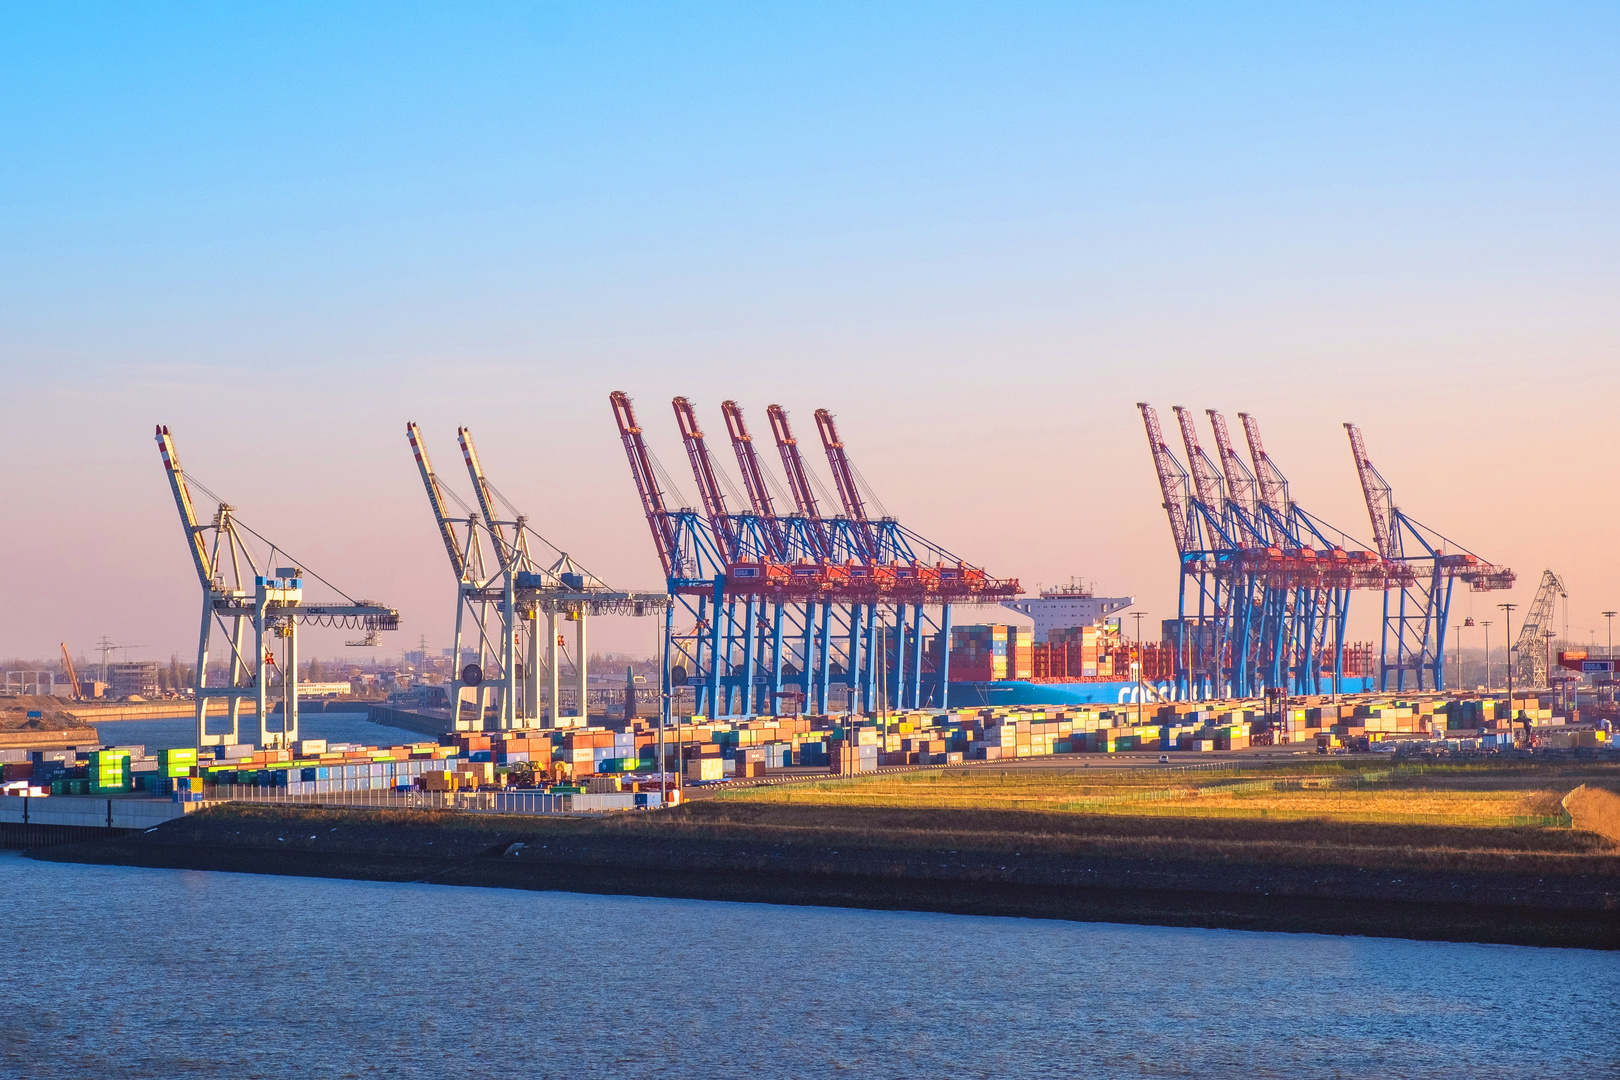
(1420, 573)
(502, 601)
(243, 593)
(774, 611)
(1531, 662)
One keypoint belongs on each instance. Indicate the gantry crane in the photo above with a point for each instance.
(475, 586)
(247, 593)
(1271, 590)
(506, 604)
(1420, 574)
(774, 598)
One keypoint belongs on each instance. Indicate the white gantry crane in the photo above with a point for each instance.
(518, 592)
(268, 599)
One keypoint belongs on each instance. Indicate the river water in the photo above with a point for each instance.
(168, 733)
(122, 972)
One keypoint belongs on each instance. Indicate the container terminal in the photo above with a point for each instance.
(800, 641)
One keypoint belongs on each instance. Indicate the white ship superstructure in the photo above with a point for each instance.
(1066, 606)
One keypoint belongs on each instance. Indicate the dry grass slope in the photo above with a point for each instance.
(1454, 796)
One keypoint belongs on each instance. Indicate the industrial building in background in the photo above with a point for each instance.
(793, 610)
(502, 594)
(250, 591)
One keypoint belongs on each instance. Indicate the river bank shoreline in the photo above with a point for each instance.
(1004, 865)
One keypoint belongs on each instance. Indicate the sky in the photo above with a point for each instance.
(979, 234)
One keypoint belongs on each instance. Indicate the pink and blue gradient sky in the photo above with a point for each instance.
(978, 233)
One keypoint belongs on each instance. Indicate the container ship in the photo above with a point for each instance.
(1077, 654)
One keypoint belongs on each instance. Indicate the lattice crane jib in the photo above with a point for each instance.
(1273, 485)
(793, 464)
(1173, 481)
(1241, 486)
(1379, 495)
(849, 493)
(646, 480)
(708, 480)
(1207, 480)
(1531, 646)
(742, 444)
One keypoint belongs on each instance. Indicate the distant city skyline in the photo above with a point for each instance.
(977, 235)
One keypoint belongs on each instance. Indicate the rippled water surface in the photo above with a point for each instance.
(119, 972)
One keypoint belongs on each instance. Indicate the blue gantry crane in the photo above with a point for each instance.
(769, 606)
(1418, 585)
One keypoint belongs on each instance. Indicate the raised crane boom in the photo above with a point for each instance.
(1241, 486)
(1380, 496)
(188, 513)
(645, 477)
(430, 480)
(1172, 480)
(505, 551)
(73, 676)
(747, 461)
(843, 472)
(1273, 485)
(708, 481)
(1206, 478)
(793, 464)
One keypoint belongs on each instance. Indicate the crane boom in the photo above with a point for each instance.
(1273, 485)
(793, 464)
(1206, 478)
(486, 497)
(747, 460)
(646, 480)
(1380, 496)
(843, 472)
(1172, 479)
(708, 481)
(1241, 486)
(188, 513)
(435, 494)
(73, 676)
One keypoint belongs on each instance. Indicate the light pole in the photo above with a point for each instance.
(1486, 623)
(1507, 631)
(1609, 615)
(1459, 658)
(1137, 615)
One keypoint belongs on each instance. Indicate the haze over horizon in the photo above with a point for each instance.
(979, 235)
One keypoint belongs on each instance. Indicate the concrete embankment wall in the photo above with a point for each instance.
(424, 723)
(147, 710)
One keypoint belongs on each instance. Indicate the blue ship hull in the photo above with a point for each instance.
(967, 695)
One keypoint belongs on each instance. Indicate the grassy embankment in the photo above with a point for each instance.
(1382, 793)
